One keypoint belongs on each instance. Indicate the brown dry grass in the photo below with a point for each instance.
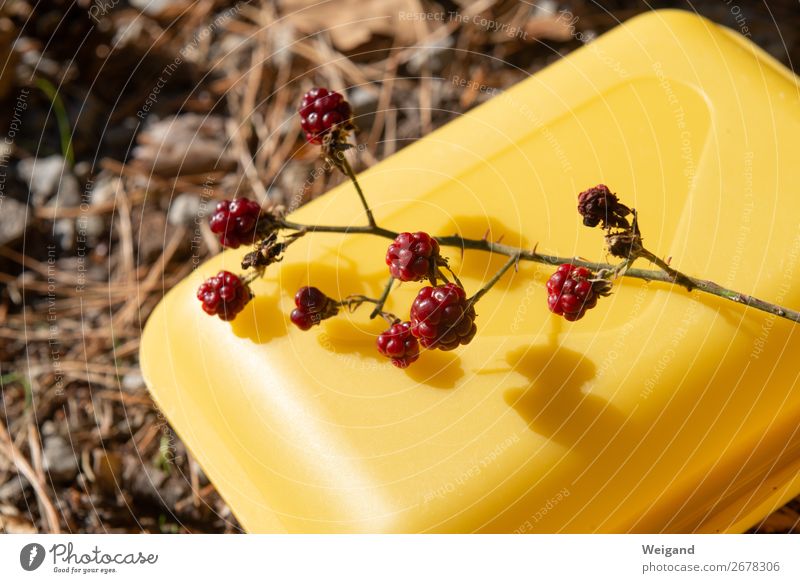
(72, 312)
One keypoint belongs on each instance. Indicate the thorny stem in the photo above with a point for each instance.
(356, 301)
(513, 260)
(676, 275)
(453, 273)
(344, 165)
(617, 270)
(668, 275)
(382, 300)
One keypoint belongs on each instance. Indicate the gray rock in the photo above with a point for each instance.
(13, 487)
(50, 181)
(364, 103)
(93, 227)
(545, 8)
(183, 210)
(82, 170)
(14, 218)
(104, 189)
(437, 55)
(132, 381)
(151, 7)
(64, 232)
(144, 480)
(59, 461)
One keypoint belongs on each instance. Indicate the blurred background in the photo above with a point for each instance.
(123, 121)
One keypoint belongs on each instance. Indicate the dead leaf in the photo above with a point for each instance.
(352, 23)
(182, 145)
(555, 28)
(16, 525)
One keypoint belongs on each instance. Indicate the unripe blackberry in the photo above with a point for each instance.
(321, 110)
(235, 222)
(224, 295)
(441, 317)
(399, 344)
(570, 292)
(413, 256)
(313, 307)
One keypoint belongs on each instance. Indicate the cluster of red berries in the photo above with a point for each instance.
(235, 222)
(399, 344)
(224, 295)
(441, 316)
(322, 110)
(570, 292)
(413, 257)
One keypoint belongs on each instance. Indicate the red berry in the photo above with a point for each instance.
(442, 318)
(235, 221)
(412, 256)
(320, 110)
(313, 307)
(399, 344)
(301, 319)
(570, 293)
(224, 295)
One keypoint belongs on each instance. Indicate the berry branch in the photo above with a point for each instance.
(382, 300)
(442, 316)
(512, 260)
(666, 274)
(342, 163)
(674, 274)
(354, 302)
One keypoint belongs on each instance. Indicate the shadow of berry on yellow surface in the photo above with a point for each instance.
(557, 404)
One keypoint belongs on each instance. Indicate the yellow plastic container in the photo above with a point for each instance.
(661, 410)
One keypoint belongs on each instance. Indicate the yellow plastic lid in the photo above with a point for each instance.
(661, 410)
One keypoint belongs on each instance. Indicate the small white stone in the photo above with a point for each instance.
(183, 210)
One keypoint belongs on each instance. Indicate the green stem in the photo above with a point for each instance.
(62, 120)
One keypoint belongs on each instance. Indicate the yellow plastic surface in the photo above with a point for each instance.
(661, 410)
